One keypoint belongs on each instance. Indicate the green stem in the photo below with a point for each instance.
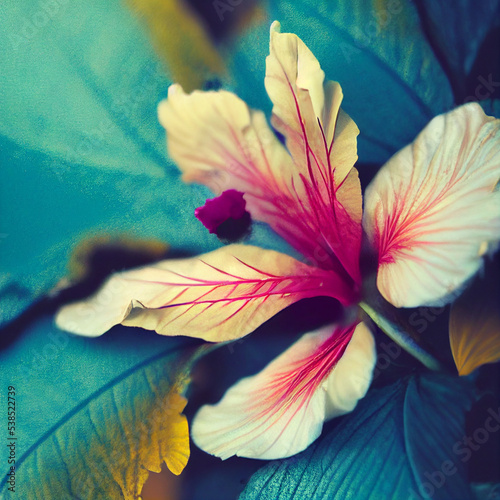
(401, 338)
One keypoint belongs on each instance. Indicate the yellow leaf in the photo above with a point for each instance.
(181, 40)
(107, 446)
(475, 324)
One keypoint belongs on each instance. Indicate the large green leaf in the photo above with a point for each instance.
(392, 82)
(81, 149)
(434, 422)
(396, 444)
(81, 83)
(93, 416)
(80, 146)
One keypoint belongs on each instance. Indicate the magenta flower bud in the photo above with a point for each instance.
(225, 215)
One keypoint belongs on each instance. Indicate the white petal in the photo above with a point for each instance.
(280, 411)
(352, 376)
(434, 208)
(219, 296)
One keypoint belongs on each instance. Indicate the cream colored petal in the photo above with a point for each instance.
(280, 411)
(306, 109)
(216, 140)
(219, 296)
(434, 207)
(352, 376)
(294, 82)
(322, 141)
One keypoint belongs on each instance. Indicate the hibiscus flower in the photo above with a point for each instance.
(430, 215)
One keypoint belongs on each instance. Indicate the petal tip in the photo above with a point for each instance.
(275, 27)
(175, 88)
(66, 321)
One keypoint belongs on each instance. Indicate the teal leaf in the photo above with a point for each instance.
(92, 416)
(81, 150)
(387, 448)
(392, 82)
(456, 31)
(81, 83)
(48, 207)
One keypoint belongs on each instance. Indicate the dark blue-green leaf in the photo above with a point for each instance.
(456, 30)
(378, 450)
(491, 107)
(434, 423)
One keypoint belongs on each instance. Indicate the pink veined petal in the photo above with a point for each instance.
(219, 296)
(280, 411)
(217, 141)
(321, 138)
(306, 110)
(434, 208)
